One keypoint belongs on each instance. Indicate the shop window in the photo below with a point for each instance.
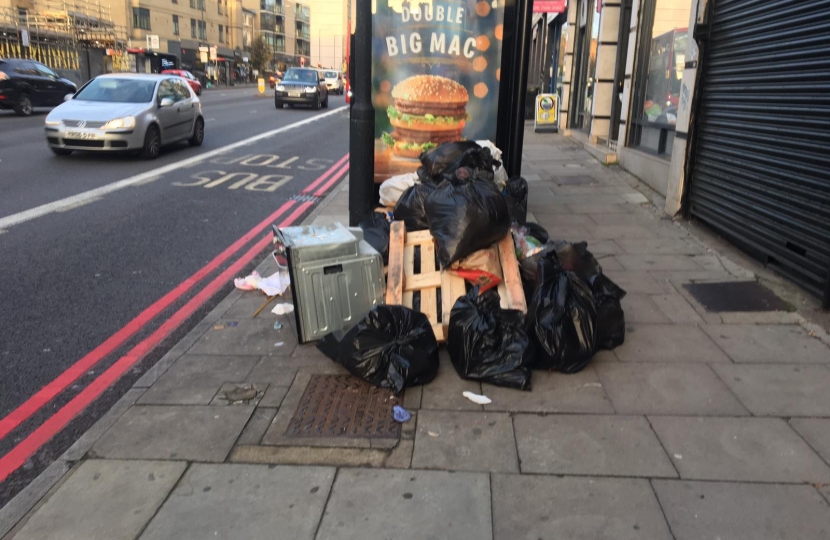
(661, 58)
(175, 25)
(193, 28)
(141, 18)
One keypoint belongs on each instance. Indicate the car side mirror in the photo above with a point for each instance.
(166, 102)
(67, 97)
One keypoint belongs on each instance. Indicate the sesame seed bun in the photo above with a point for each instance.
(430, 89)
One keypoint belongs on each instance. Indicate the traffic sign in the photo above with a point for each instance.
(153, 42)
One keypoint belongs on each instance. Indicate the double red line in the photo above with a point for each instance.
(40, 436)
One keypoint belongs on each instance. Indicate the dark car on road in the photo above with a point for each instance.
(302, 86)
(25, 84)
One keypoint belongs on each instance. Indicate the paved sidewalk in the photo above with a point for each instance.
(701, 425)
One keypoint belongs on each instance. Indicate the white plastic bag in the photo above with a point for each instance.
(391, 189)
(500, 175)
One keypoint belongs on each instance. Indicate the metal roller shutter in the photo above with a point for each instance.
(761, 162)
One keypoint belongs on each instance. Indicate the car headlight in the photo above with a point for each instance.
(281, 88)
(53, 122)
(128, 122)
(310, 89)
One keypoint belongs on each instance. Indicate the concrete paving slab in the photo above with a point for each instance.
(195, 379)
(465, 441)
(660, 246)
(104, 500)
(640, 308)
(619, 208)
(531, 507)
(243, 501)
(407, 505)
(590, 445)
(697, 510)
(615, 219)
(571, 233)
(774, 343)
(235, 394)
(667, 389)
(668, 343)
(639, 282)
(557, 219)
(248, 337)
(816, 431)
(273, 396)
(678, 309)
(250, 301)
(192, 433)
(738, 449)
(554, 393)
(780, 390)
(281, 370)
(658, 262)
(257, 425)
(445, 391)
(617, 232)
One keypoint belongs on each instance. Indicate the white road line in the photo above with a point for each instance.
(83, 198)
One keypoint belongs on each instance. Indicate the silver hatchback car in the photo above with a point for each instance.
(126, 112)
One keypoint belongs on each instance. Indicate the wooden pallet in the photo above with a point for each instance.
(402, 281)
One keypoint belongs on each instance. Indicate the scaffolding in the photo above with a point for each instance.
(59, 30)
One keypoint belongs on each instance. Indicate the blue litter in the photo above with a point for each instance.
(277, 325)
(400, 414)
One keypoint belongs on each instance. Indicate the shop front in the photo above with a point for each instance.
(143, 61)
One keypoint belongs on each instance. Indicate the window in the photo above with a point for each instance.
(193, 28)
(175, 1)
(181, 91)
(193, 4)
(44, 71)
(219, 7)
(175, 25)
(201, 5)
(141, 18)
(23, 16)
(202, 30)
(221, 34)
(661, 58)
(166, 90)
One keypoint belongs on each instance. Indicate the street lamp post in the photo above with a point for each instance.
(362, 123)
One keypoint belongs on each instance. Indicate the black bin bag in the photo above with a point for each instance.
(391, 347)
(562, 318)
(434, 161)
(466, 217)
(410, 207)
(487, 343)
(376, 229)
(515, 193)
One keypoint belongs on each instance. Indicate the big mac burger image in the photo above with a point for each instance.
(426, 110)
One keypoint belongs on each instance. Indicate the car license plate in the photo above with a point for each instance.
(79, 135)
(295, 94)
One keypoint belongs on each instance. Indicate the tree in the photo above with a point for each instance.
(261, 55)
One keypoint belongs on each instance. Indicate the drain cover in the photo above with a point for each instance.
(736, 296)
(344, 406)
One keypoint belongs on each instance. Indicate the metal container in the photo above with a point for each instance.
(336, 276)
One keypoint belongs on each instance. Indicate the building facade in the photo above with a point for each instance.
(330, 29)
(722, 106)
(282, 24)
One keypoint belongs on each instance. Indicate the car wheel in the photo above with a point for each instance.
(152, 143)
(199, 91)
(198, 136)
(24, 106)
(317, 103)
(278, 104)
(60, 151)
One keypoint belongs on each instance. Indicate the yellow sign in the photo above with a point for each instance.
(547, 112)
(260, 84)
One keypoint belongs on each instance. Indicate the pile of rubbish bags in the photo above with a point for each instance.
(461, 194)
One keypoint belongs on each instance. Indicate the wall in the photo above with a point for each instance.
(328, 32)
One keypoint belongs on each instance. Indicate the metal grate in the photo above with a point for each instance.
(736, 296)
(344, 406)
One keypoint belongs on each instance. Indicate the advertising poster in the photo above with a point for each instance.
(435, 77)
